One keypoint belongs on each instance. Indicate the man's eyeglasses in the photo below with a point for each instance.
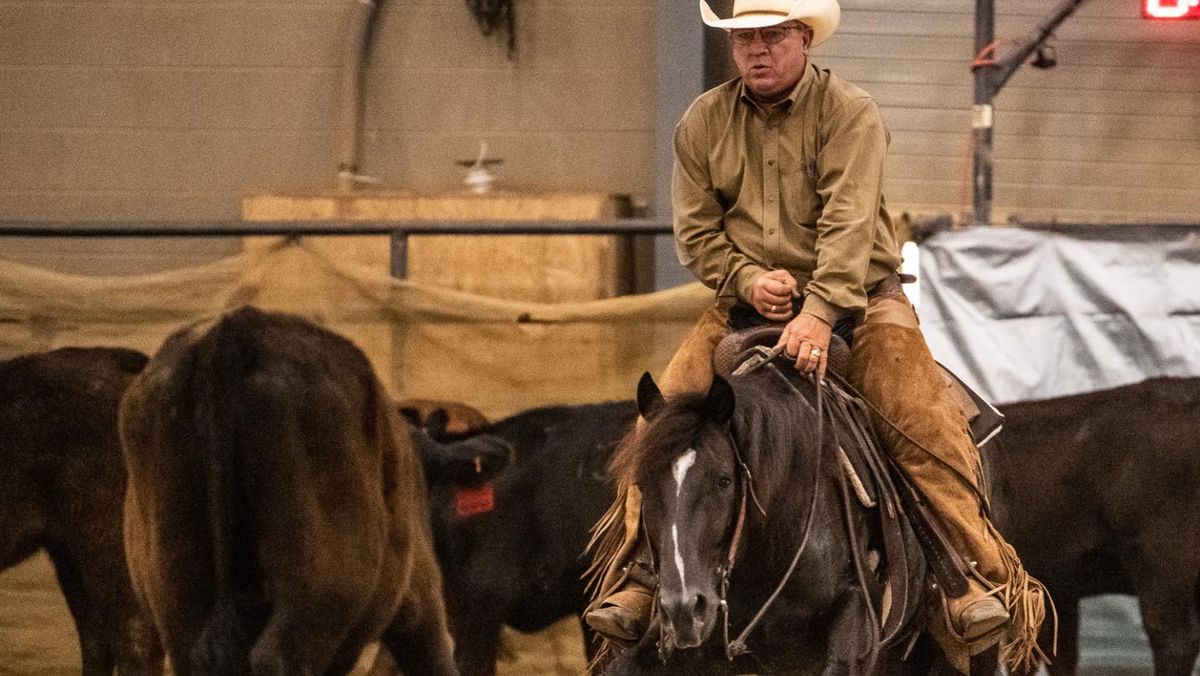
(772, 35)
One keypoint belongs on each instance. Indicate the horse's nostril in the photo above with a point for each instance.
(701, 604)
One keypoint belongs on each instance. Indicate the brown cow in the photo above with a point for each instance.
(276, 518)
(62, 483)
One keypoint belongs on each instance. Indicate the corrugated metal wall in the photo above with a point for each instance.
(1111, 133)
(166, 109)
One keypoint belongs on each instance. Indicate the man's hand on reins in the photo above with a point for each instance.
(772, 295)
(806, 340)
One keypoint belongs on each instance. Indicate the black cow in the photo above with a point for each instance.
(521, 562)
(276, 517)
(1100, 493)
(62, 483)
(442, 419)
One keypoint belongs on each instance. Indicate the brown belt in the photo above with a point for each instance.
(892, 284)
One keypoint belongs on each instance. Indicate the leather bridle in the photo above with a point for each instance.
(745, 490)
(738, 646)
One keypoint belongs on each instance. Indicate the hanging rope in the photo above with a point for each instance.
(491, 14)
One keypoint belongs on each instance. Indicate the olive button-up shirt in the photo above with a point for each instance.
(794, 186)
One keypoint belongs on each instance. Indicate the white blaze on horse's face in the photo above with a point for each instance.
(679, 470)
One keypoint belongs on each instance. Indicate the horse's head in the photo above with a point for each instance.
(687, 472)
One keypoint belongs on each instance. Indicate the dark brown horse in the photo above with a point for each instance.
(276, 517)
(743, 488)
(1099, 494)
(62, 483)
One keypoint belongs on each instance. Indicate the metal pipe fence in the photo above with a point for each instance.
(398, 231)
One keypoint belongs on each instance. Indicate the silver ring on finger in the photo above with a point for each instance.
(815, 352)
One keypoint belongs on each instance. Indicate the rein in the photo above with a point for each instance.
(849, 413)
(738, 646)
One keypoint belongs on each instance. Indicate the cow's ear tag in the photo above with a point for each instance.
(474, 500)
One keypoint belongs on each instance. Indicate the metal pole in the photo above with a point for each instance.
(1005, 67)
(319, 228)
(989, 80)
(360, 28)
(981, 116)
(679, 79)
(398, 258)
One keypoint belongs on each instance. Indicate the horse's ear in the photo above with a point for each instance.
(719, 400)
(649, 397)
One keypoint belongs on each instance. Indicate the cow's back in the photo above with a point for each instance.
(276, 516)
(59, 408)
(62, 482)
(523, 562)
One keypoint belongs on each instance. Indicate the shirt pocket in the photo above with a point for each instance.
(801, 203)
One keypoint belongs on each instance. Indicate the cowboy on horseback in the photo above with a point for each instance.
(778, 206)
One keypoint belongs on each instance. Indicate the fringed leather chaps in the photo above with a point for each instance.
(691, 368)
(892, 368)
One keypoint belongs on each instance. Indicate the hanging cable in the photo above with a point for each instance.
(492, 14)
(986, 56)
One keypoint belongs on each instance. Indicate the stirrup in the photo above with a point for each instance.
(983, 617)
(978, 615)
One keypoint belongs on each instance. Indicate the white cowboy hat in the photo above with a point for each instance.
(820, 15)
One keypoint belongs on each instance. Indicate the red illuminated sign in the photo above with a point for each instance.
(1171, 9)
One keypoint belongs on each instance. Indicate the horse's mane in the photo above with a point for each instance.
(640, 453)
(773, 426)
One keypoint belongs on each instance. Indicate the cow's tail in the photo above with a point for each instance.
(220, 363)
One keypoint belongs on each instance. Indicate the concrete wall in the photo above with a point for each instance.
(165, 109)
(174, 110)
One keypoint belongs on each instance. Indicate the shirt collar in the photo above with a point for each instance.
(793, 96)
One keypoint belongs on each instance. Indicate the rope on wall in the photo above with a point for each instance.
(491, 14)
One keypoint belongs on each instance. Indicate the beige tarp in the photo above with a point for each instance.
(500, 356)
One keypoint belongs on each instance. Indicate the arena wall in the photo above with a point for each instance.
(169, 110)
(1110, 134)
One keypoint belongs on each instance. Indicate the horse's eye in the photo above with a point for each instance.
(724, 482)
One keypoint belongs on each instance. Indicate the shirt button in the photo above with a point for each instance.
(771, 231)
(770, 163)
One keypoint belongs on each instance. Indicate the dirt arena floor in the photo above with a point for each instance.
(37, 637)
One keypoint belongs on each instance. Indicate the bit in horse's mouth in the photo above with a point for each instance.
(666, 642)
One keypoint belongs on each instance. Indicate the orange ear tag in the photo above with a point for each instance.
(475, 500)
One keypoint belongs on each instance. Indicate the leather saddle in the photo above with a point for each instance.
(984, 419)
(879, 481)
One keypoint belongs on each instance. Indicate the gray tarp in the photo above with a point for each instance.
(1032, 314)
